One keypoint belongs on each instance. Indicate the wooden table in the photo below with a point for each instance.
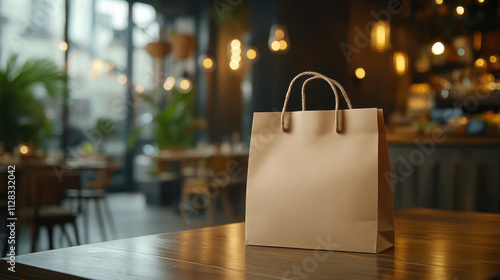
(430, 244)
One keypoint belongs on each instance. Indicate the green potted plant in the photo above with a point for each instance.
(22, 116)
(175, 123)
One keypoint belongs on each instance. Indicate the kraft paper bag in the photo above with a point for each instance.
(319, 179)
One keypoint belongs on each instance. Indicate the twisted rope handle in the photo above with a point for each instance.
(332, 84)
(346, 98)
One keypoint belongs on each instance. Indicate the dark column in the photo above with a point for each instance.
(65, 111)
(203, 39)
(129, 121)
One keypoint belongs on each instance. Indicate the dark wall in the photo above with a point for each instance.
(316, 29)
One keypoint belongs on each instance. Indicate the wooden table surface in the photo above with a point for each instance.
(430, 244)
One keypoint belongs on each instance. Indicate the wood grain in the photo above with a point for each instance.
(430, 244)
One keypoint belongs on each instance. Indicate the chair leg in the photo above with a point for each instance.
(50, 231)
(65, 235)
(76, 233)
(112, 224)
(100, 218)
(85, 216)
(34, 236)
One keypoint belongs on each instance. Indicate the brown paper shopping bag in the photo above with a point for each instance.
(316, 179)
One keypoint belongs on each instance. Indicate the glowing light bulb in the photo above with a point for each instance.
(279, 34)
(283, 45)
(275, 46)
(122, 79)
(380, 36)
(251, 54)
(169, 83)
(185, 84)
(400, 61)
(236, 57)
(234, 65)
(460, 10)
(480, 63)
(208, 63)
(360, 73)
(63, 46)
(97, 67)
(139, 89)
(437, 48)
(23, 149)
(235, 44)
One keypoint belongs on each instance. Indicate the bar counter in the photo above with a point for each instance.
(440, 139)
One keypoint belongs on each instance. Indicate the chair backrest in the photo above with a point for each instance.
(51, 190)
(44, 186)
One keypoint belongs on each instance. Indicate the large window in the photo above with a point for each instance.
(97, 61)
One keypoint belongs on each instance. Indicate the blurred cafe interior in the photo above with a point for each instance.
(147, 101)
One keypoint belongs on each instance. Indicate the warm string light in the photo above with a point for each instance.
(184, 84)
(460, 10)
(235, 46)
(278, 41)
(439, 2)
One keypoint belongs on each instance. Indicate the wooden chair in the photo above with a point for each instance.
(41, 194)
(210, 185)
(95, 191)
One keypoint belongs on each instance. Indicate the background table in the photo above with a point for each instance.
(430, 244)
